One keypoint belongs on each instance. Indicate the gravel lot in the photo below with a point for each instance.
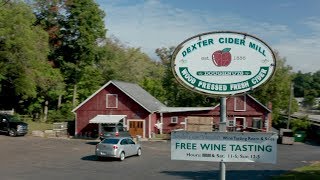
(35, 158)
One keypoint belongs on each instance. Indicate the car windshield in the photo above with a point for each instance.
(110, 141)
(109, 129)
(11, 118)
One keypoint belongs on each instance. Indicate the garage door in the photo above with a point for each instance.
(136, 127)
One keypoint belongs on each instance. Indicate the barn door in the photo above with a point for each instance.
(240, 123)
(136, 128)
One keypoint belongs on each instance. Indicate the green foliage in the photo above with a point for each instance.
(277, 90)
(300, 124)
(90, 81)
(62, 114)
(175, 94)
(307, 85)
(23, 57)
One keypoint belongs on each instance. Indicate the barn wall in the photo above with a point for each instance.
(168, 126)
(97, 106)
(252, 110)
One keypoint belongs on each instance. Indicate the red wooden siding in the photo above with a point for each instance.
(97, 105)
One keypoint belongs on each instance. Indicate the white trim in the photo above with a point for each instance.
(149, 122)
(244, 103)
(172, 118)
(143, 125)
(161, 121)
(261, 122)
(107, 100)
(231, 120)
(244, 121)
(75, 124)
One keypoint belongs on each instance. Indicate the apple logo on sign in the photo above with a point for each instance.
(222, 57)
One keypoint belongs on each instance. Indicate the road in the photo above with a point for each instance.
(35, 158)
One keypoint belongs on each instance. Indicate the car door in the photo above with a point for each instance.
(3, 123)
(132, 146)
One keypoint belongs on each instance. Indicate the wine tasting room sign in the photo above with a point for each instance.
(223, 63)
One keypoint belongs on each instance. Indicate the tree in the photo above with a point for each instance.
(49, 16)
(277, 90)
(176, 94)
(81, 31)
(302, 81)
(24, 70)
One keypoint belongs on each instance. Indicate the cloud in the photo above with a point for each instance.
(151, 24)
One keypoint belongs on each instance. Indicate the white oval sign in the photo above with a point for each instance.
(223, 63)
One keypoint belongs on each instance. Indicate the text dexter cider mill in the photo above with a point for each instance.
(222, 40)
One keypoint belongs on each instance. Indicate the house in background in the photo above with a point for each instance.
(144, 115)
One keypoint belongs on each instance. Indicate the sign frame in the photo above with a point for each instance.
(212, 88)
(224, 146)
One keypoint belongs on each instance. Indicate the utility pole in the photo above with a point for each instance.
(290, 102)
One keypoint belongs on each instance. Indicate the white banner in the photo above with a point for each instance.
(224, 146)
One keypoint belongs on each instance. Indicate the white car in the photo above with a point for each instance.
(117, 147)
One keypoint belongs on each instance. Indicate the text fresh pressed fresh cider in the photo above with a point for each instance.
(223, 63)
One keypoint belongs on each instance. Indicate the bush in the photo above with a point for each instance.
(300, 124)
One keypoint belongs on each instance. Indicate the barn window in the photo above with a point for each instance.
(112, 100)
(257, 123)
(174, 119)
(240, 103)
(231, 123)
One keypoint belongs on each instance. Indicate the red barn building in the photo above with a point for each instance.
(143, 115)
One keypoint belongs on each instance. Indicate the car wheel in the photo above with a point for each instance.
(12, 132)
(122, 156)
(139, 152)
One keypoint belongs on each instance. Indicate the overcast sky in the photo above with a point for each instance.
(291, 27)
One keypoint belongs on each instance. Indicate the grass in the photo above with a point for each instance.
(311, 172)
(41, 126)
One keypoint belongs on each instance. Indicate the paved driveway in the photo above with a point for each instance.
(33, 158)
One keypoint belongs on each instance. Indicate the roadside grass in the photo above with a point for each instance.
(311, 172)
(40, 126)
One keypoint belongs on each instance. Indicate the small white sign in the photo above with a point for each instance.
(224, 146)
(223, 63)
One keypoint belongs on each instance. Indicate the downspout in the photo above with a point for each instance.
(75, 124)
(149, 132)
(161, 121)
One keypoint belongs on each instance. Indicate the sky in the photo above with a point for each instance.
(290, 27)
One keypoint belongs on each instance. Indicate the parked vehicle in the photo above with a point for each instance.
(12, 126)
(113, 130)
(286, 136)
(117, 147)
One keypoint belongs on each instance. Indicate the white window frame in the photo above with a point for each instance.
(107, 98)
(244, 121)
(257, 119)
(233, 123)
(244, 105)
(174, 120)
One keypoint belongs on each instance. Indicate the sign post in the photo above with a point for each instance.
(223, 63)
(223, 128)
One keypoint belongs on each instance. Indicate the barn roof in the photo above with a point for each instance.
(150, 103)
(184, 109)
(255, 100)
(139, 95)
(135, 92)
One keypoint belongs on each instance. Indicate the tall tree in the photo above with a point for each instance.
(176, 94)
(82, 30)
(50, 17)
(277, 90)
(24, 69)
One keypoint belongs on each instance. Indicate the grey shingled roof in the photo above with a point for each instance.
(139, 95)
(135, 92)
